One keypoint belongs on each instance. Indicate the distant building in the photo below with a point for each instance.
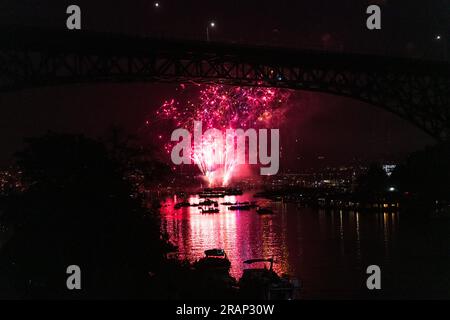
(389, 168)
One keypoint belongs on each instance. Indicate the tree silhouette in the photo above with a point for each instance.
(373, 184)
(426, 174)
(78, 210)
(136, 156)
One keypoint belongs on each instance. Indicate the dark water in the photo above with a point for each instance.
(328, 251)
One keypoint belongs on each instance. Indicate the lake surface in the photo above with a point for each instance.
(328, 251)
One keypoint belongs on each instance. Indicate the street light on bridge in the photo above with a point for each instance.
(443, 43)
(211, 25)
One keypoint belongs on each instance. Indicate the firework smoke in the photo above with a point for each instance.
(221, 107)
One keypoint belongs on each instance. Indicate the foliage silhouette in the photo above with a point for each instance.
(373, 184)
(425, 174)
(78, 210)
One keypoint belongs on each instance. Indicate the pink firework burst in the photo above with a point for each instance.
(220, 107)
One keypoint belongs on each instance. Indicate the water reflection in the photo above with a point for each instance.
(328, 251)
(243, 234)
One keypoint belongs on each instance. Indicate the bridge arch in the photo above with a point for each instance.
(418, 91)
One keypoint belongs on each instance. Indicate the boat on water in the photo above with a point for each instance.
(219, 192)
(253, 204)
(228, 203)
(243, 203)
(213, 275)
(210, 210)
(214, 260)
(244, 207)
(208, 202)
(264, 283)
(182, 205)
(211, 195)
(264, 211)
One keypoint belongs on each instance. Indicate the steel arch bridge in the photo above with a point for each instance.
(418, 91)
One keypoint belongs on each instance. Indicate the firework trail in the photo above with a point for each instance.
(221, 107)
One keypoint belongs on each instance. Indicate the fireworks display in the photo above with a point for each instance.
(220, 107)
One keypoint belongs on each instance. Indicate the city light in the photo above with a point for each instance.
(224, 108)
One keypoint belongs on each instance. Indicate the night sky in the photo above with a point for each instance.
(340, 129)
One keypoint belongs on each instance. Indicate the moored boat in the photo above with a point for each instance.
(210, 210)
(213, 275)
(182, 205)
(239, 207)
(214, 260)
(264, 283)
(208, 202)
